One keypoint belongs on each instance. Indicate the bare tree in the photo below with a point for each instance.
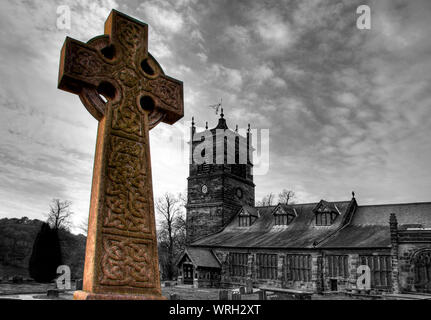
(286, 196)
(267, 200)
(83, 226)
(59, 216)
(171, 233)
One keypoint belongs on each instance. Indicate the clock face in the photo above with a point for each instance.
(239, 193)
(204, 189)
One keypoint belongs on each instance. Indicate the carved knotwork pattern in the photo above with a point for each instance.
(84, 63)
(130, 34)
(127, 203)
(128, 77)
(127, 118)
(127, 262)
(166, 90)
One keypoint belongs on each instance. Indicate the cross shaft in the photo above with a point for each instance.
(121, 253)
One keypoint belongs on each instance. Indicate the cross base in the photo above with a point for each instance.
(84, 295)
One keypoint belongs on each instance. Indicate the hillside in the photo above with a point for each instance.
(16, 244)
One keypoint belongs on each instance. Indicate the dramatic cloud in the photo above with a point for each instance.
(347, 109)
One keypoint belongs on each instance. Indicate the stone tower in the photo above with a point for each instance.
(220, 180)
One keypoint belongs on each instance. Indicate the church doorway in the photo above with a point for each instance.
(422, 269)
(334, 284)
(188, 273)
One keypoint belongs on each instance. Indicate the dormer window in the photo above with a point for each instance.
(326, 213)
(244, 221)
(283, 215)
(325, 218)
(247, 216)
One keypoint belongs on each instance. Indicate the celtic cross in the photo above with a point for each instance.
(126, 90)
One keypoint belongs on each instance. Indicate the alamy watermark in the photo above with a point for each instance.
(364, 277)
(63, 17)
(363, 22)
(220, 146)
(63, 279)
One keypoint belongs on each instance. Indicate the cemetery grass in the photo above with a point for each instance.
(25, 288)
(189, 293)
(39, 290)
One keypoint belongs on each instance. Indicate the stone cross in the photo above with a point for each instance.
(126, 90)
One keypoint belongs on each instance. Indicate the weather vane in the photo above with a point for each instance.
(217, 106)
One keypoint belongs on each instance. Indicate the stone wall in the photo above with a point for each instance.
(209, 212)
(228, 280)
(208, 277)
(406, 244)
(320, 277)
(406, 266)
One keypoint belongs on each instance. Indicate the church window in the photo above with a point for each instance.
(245, 218)
(337, 266)
(266, 266)
(422, 268)
(283, 216)
(283, 219)
(236, 149)
(225, 150)
(325, 218)
(381, 270)
(298, 267)
(325, 213)
(238, 264)
(239, 193)
(244, 221)
(204, 168)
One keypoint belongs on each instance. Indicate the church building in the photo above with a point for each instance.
(312, 247)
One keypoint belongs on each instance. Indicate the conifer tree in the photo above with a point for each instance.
(46, 255)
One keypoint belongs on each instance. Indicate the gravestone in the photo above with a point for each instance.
(78, 284)
(52, 293)
(249, 286)
(262, 295)
(223, 295)
(174, 296)
(236, 296)
(121, 259)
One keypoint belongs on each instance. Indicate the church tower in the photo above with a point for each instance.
(220, 180)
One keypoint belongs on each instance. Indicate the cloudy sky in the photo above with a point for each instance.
(346, 109)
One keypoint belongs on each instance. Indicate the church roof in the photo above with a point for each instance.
(200, 257)
(221, 124)
(407, 213)
(368, 227)
(282, 208)
(249, 210)
(300, 233)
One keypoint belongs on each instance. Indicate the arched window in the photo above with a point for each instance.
(422, 270)
(236, 150)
